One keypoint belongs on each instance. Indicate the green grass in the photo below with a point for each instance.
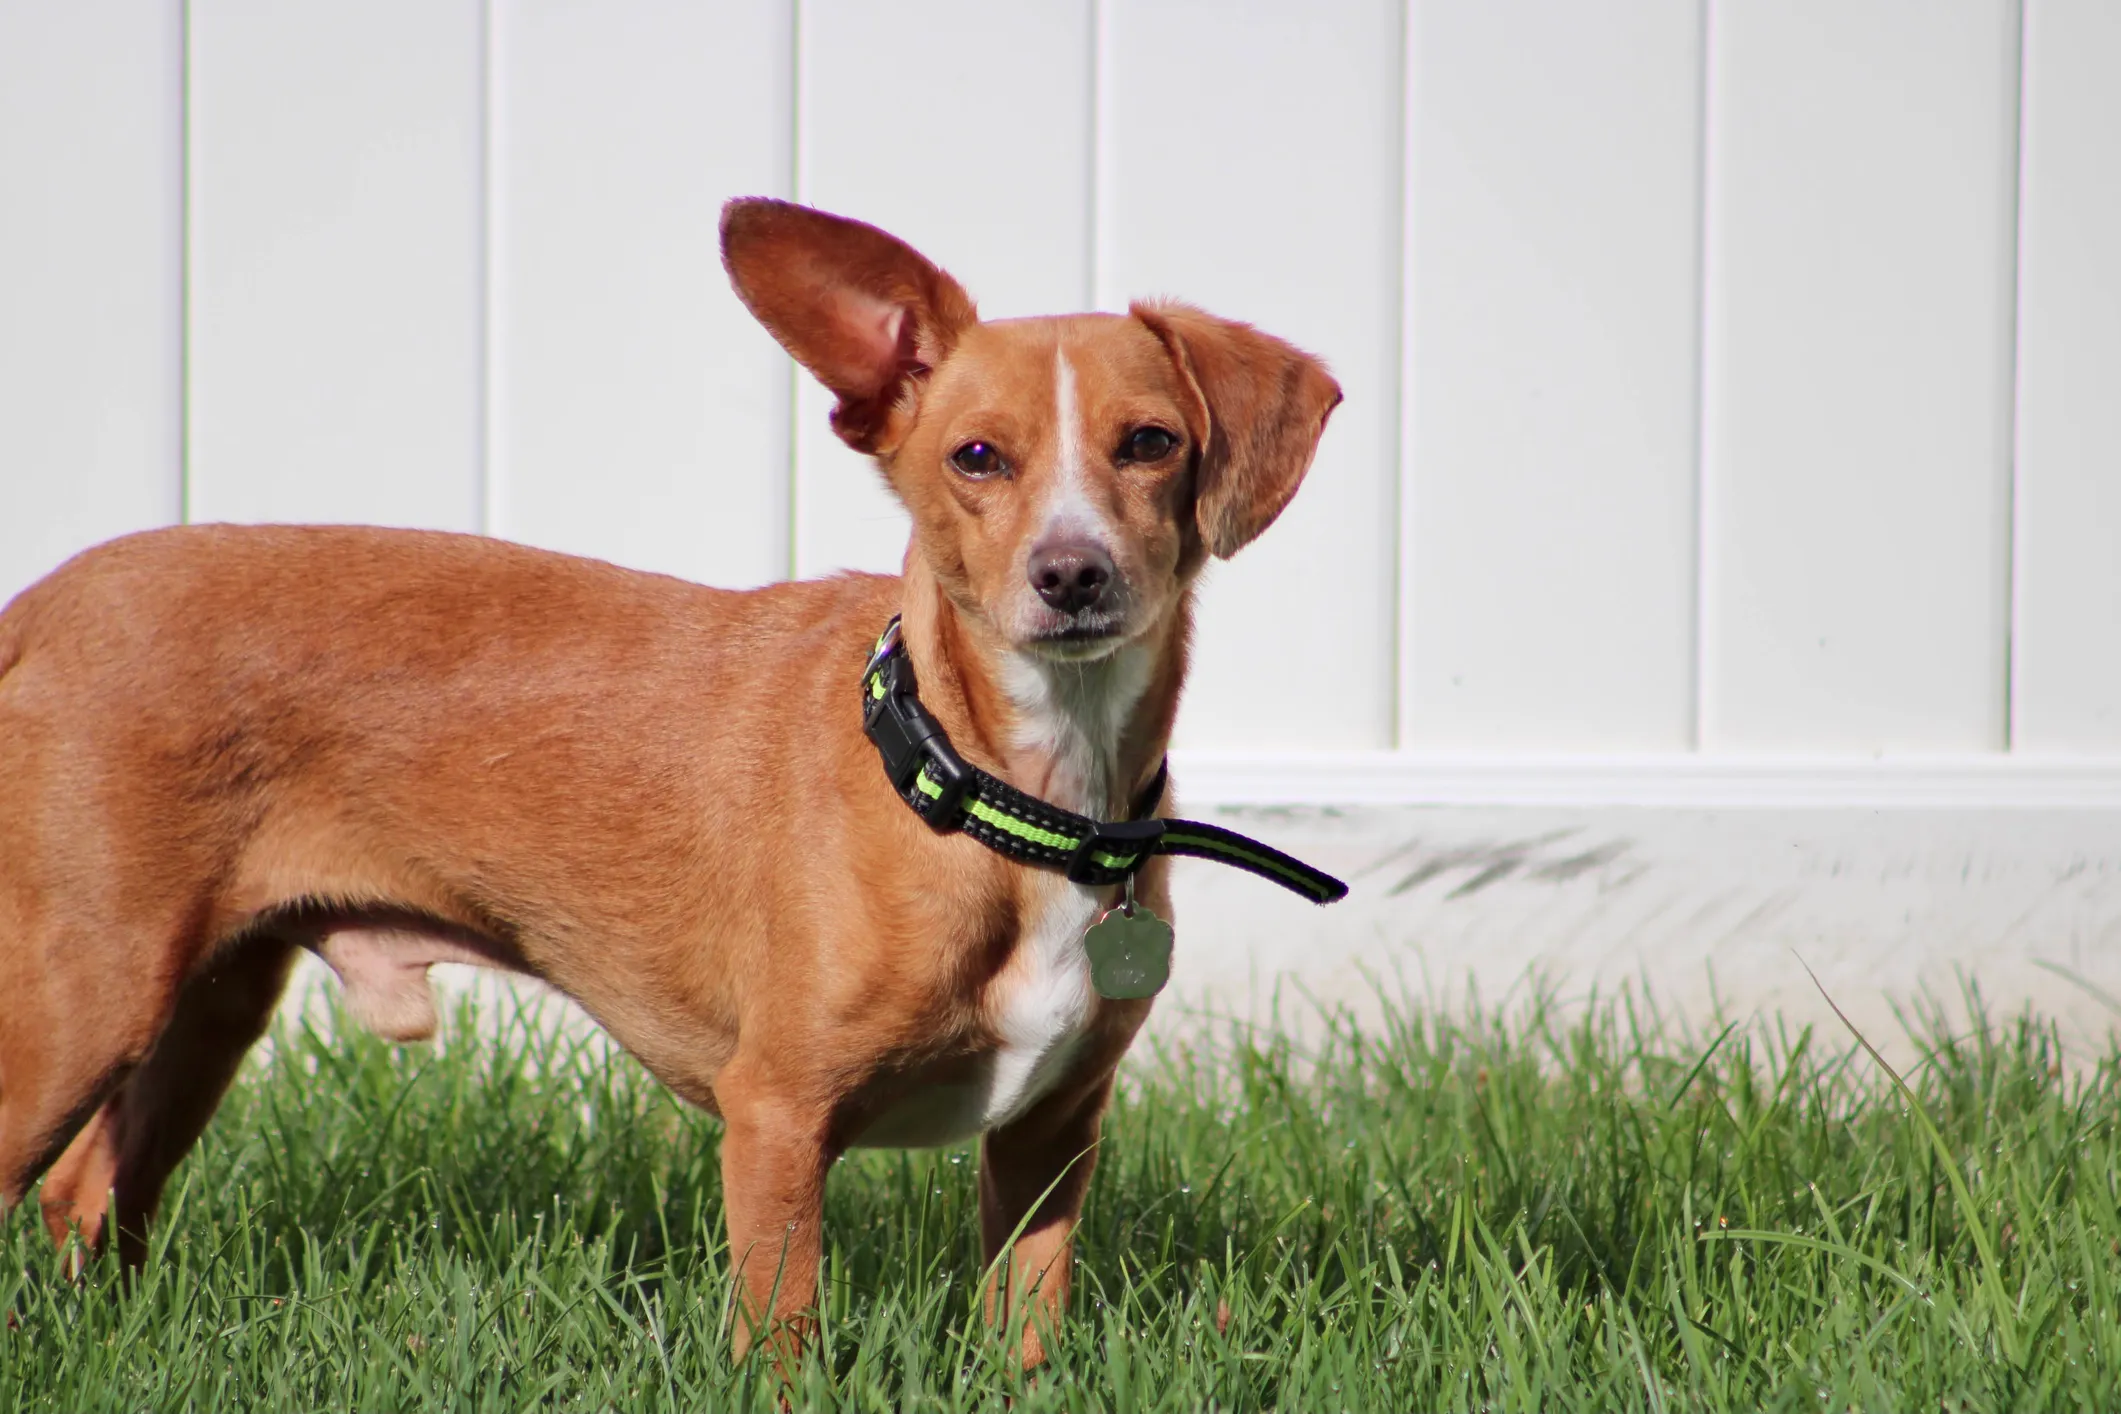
(1444, 1212)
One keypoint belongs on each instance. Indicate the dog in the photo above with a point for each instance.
(714, 819)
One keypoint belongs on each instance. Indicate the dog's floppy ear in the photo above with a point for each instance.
(1262, 405)
(863, 311)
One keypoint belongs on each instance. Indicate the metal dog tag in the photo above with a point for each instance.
(1130, 953)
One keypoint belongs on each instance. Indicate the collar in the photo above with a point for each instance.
(950, 793)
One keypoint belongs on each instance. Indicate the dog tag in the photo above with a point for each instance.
(1130, 955)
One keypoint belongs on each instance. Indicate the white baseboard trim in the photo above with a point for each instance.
(1671, 782)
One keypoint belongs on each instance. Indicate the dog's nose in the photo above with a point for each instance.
(1070, 578)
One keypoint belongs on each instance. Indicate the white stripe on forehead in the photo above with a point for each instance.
(1069, 413)
(1069, 507)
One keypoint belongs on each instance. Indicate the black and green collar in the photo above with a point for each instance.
(950, 793)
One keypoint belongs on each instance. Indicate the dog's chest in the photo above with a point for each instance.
(1039, 1007)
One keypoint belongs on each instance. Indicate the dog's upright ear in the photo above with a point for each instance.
(1262, 405)
(866, 313)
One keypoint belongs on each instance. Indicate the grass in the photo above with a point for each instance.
(1461, 1211)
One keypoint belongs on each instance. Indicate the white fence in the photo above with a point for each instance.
(1726, 383)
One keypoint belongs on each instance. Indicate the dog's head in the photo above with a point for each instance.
(1067, 477)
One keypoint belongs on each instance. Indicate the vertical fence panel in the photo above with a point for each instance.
(350, 350)
(1548, 590)
(962, 127)
(2066, 654)
(638, 413)
(1857, 379)
(1251, 165)
(91, 276)
(335, 261)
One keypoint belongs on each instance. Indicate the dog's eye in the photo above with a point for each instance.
(979, 460)
(1147, 444)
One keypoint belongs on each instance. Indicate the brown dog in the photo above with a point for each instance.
(219, 744)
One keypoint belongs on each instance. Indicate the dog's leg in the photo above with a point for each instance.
(68, 1040)
(1035, 1174)
(43, 1106)
(775, 1154)
(121, 1159)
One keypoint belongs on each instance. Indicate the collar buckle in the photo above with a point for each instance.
(909, 739)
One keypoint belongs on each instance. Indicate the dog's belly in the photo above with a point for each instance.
(1041, 1005)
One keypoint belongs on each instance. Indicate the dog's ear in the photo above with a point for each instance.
(1262, 405)
(863, 311)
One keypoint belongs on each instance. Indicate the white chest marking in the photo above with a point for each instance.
(1041, 1003)
(1045, 1003)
